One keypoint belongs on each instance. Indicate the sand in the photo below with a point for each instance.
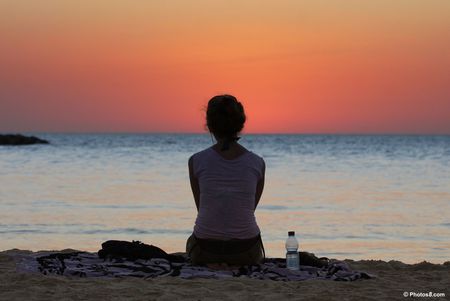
(393, 279)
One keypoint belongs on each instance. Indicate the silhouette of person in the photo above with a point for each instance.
(227, 182)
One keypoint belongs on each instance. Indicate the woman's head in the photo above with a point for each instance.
(225, 116)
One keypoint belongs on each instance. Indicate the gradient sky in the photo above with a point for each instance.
(298, 66)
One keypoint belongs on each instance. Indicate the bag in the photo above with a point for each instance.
(134, 250)
(310, 259)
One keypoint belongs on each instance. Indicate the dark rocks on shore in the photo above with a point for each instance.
(20, 140)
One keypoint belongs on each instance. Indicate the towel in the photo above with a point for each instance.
(85, 264)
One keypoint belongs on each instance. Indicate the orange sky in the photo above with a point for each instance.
(298, 66)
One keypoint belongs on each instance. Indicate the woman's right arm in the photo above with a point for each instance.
(194, 183)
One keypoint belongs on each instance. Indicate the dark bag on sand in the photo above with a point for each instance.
(134, 250)
(312, 260)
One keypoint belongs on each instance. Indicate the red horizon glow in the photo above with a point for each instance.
(297, 66)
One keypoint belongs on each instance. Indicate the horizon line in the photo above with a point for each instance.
(241, 134)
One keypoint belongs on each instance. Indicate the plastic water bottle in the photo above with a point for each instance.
(292, 258)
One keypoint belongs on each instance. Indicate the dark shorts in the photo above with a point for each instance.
(232, 252)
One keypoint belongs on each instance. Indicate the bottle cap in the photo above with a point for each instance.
(291, 233)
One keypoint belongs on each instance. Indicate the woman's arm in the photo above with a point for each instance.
(260, 186)
(194, 184)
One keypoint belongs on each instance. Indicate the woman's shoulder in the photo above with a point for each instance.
(210, 152)
(202, 153)
(255, 155)
(256, 158)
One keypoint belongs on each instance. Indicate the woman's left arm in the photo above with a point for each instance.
(260, 186)
(194, 184)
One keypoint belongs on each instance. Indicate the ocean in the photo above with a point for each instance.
(346, 196)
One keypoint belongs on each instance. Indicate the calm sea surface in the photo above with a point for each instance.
(359, 197)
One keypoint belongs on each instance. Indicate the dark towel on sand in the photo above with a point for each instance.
(146, 261)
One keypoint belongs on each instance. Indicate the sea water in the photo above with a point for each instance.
(347, 196)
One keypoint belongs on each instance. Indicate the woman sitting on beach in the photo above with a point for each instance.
(227, 181)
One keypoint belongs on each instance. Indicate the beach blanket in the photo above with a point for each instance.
(85, 264)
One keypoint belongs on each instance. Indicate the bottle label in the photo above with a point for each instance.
(292, 260)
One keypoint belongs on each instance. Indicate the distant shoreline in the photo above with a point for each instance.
(18, 139)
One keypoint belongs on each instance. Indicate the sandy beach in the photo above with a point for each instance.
(393, 278)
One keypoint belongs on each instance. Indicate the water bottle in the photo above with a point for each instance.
(292, 259)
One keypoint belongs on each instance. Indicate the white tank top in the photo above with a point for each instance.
(227, 194)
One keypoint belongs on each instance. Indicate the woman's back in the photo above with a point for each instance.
(227, 194)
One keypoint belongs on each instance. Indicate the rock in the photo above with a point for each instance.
(20, 140)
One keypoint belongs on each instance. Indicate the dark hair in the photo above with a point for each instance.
(225, 116)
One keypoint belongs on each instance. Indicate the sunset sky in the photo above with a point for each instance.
(298, 66)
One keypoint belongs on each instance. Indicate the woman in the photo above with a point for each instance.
(227, 181)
